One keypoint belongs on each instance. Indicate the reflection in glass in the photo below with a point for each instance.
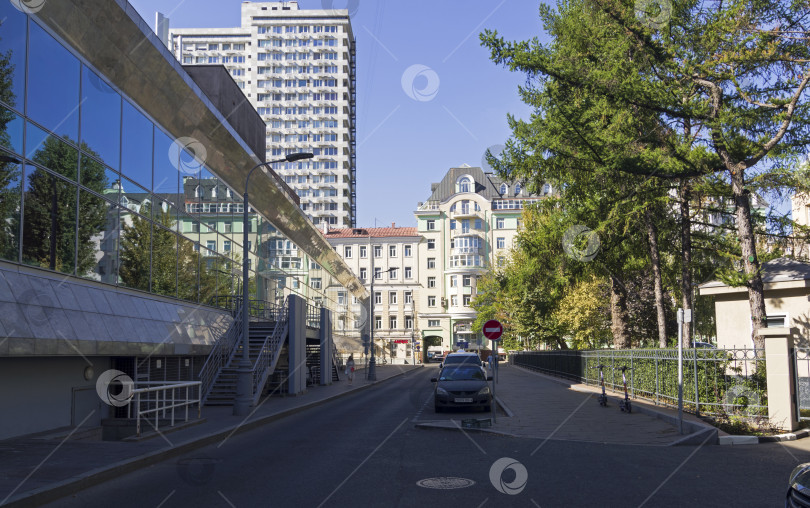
(52, 152)
(164, 255)
(136, 148)
(11, 127)
(49, 222)
(105, 241)
(10, 199)
(166, 174)
(12, 55)
(53, 84)
(136, 245)
(101, 118)
(187, 267)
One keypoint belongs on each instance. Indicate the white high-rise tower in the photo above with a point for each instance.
(297, 68)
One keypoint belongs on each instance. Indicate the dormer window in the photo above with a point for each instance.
(464, 185)
(547, 189)
(517, 189)
(504, 189)
(197, 192)
(214, 192)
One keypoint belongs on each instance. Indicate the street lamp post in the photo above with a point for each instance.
(372, 362)
(244, 381)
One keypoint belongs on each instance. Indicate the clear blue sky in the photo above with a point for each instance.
(405, 144)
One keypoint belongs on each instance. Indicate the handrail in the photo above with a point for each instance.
(313, 316)
(264, 364)
(169, 404)
(221, 354)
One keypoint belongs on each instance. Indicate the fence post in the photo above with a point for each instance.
(697, 392)
(656, 379)
(780, 378)
(632, 379)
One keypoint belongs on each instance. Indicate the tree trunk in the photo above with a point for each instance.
(618, 314)
(745, 230)
(686, 257)
(652, 237)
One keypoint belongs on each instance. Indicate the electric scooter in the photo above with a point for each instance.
(624, 404)
(603, 396)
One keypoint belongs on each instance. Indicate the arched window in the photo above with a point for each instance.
(214, 192)
(517, 189)
(464, 185)
(547, 189)
(197, 192)
(504, 189)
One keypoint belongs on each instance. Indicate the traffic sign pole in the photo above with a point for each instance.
(493, 329)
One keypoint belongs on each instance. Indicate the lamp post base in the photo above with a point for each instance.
(244, 389)
(372, 369)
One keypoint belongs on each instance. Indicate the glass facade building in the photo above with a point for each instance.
(92, 187)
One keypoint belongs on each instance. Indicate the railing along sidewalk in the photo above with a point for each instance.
(716, 381)
(162, 402)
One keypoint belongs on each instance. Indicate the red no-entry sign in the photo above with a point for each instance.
(493, 329)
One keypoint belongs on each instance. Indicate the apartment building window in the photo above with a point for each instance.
(392, 251)
(431, 263)
(454, 300)
(211, 245)
(501, 261)
(431, 282)
(228, 226)
(431, 301)
(466, 300)
(226, 246)
(316, 283)
(363, 274)
(431, 225)
(392, 322)
(408, 272)
(500, 223)
(434, 323)
(409, 322)
(500, 242)
(341, 298)
(377, 297)
(467, 281)
(407, 251)
(377, 274)
(392, 298)
(378, 322)
(378, 251)
(392, 274)
(363, 251)
(347, 252)
(431, 244)
(408, 297)
(453, 281)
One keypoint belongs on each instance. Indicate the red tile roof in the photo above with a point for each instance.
(374, 232)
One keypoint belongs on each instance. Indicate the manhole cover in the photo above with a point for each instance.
(445, 483)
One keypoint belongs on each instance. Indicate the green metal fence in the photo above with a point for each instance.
(715, 381)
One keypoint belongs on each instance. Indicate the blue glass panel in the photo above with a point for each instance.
(165, 164)
(51, 152)
(98, 178)
(53, 84)
(12, 55)
(11, 130)
(10, 198)
(49, 221)
(101, 119)
(99, 259)
(136, 147)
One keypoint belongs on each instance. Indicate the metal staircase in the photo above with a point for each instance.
(266, 337)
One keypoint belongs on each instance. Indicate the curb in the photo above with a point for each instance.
(58, 490)
(751, 440)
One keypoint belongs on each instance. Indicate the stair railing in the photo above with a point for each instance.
(271, 350)
(221, 354)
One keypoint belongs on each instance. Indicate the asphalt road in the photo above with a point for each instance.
(363, 450)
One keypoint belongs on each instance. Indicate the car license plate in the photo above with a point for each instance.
(460, 400)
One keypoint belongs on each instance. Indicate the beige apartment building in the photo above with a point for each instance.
(468, 224)
(388, 259)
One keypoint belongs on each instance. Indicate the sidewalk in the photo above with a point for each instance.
(544, 407)
(35, 470)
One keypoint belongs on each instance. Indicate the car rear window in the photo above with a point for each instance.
(462, 359)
